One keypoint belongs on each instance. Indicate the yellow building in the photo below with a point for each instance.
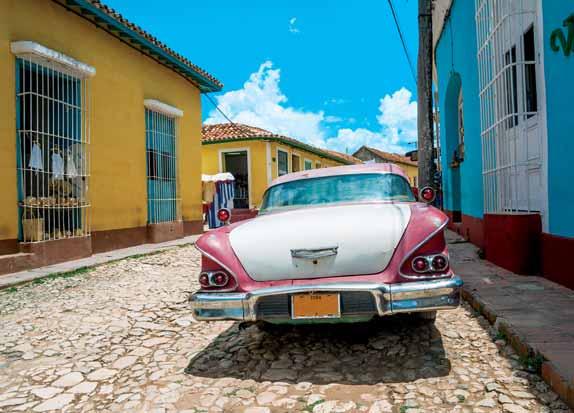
(100, 134)
(369, 154)
(256, 156)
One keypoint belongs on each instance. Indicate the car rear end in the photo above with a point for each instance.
(346, 262)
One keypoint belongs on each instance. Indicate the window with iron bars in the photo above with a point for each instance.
(512, 130)
(161, 149)
(52, 126)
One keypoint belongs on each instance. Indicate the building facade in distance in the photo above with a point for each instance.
(369, 154)
(256, 156)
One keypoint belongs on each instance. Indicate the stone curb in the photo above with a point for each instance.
(26, 277)
(549, 372)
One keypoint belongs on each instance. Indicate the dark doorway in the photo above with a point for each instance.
(236, 164)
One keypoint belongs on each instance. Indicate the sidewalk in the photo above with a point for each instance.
(533, 313)
(10, 280)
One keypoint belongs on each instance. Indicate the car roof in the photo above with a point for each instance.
(371, 168)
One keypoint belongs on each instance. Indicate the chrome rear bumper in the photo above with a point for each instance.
(386, 298)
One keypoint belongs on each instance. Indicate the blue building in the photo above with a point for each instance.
(504, 76)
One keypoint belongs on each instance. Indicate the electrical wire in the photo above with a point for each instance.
(218, 108)
(398, 26)
(239, 126)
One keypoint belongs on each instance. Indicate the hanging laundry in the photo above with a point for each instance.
(222, 197)
(71, 166)
(57, 166)
(36, 159)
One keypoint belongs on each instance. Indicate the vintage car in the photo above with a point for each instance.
(338, 244)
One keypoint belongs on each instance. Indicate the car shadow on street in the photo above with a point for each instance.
(386, 350)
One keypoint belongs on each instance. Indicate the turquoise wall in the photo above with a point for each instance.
(456, 67)
(559, 75)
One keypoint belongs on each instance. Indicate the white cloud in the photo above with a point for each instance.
(292, 27)
(260, 102)
(333, 119)
(349, 140)
(397, 122)
(398, 116)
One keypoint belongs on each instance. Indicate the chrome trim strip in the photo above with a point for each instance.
(311, 254)
(225, 267)
(413, 250)
(389, 298)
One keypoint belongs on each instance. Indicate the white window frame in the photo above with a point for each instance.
(222, 152)
(307, 160)
(514, 158)
(162, 113)
(285, 151)
(298, 155)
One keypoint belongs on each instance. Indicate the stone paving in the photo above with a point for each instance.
(119, 338)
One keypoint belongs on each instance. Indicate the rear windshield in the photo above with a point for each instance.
(337, 189)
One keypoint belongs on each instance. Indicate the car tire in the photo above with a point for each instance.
(427, 317)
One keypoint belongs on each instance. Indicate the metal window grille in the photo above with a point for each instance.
(161, 148)
(510, 132)
(53, 136)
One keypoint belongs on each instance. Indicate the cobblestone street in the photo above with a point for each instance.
(119, 338)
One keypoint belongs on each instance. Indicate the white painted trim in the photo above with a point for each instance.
(269, 162)
(542, 117)
(297, 154)
(285, 150)
(33, 51)
(249, 170)
(164, 108)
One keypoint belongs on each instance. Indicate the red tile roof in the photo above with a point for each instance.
(225, 132)
(235, 131)
(97, 4)
(350, 158)
(390, 157)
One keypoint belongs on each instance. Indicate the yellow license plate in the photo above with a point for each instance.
(320, 305)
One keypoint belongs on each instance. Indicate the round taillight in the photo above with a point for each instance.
(427, 194)
(204, 279)
(223, 215)
(439, 263)
(220, 279)
(420, 264)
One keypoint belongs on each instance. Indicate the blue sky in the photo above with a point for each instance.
(328, 72)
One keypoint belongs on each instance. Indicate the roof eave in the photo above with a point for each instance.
(106, 21)
(284, 141)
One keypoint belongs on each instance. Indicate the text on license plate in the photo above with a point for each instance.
(319, 305)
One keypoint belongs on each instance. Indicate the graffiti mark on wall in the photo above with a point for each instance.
(559, 40)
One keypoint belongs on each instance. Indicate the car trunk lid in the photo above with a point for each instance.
(320, 242)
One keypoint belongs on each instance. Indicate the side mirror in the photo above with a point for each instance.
(427, 194)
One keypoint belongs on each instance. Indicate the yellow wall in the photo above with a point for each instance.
(124, 78)
(411, 171)
(211, 164)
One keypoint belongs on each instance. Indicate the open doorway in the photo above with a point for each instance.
(236, 163)
(295, 163)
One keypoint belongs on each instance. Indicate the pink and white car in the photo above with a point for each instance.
(329, 245)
